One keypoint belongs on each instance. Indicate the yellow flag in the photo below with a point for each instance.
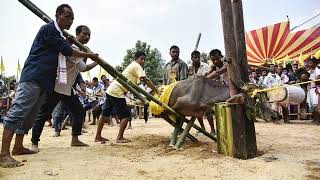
(284, 63)
(2, 69)
(18, 71)
(102, 72)
(301, 61)
(317, 55)
(88, 76)
(302, 58)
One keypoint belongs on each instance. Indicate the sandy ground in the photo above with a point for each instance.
(289, 151)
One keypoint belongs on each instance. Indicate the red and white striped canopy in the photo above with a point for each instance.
(274, 43)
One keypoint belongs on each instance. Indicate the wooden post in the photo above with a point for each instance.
(234, 40)
(230, 46)
(239, 33)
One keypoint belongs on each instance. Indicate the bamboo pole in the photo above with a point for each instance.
(175, 133)
(183, 136)
(135, 89)
(198, 41)
(171, 122)
(102, 63)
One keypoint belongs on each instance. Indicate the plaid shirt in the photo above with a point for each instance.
(176, 68)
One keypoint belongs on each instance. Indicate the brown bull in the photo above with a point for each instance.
(193, 97)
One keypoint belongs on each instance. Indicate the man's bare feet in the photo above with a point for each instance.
(56, 134)
(84, 131)
(6, 161)
(123, 140)
(100, 139)
(35, 148)
(77, 143)
(22, 151)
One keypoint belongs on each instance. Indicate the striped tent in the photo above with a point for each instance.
(276, 43)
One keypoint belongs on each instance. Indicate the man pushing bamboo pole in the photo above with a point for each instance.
(135, 89)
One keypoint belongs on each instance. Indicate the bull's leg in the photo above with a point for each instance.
(174, 136)
(184, 134)
(200, 119)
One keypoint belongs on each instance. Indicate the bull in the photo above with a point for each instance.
(193, 97)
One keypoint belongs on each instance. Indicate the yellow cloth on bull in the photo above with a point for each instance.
(164, 97)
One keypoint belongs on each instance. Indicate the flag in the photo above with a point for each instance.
(317, 55)
(18, 71)
(102, 72)
(2, 69)
(88, 76)
(302, 58)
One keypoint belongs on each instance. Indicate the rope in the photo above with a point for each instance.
(256, 91)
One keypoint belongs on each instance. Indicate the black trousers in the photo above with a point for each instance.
(74, 105)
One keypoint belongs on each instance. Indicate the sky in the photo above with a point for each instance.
(116, 25)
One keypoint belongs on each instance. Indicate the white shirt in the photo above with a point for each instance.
(202, 70)
(272, 79)
(74, 66)
(314, 73)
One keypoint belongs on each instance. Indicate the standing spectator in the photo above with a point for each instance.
(313, 93)
(254, 77)
(176, 69)
(272, 78)
(199, 68)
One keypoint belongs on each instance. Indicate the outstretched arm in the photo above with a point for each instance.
(150, 84)
(217, 73)
(77, 53)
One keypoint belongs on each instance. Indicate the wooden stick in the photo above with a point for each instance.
(198, 41)
(183, 136)
(166, 118)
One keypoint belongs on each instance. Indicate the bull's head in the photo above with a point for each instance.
(260, 101)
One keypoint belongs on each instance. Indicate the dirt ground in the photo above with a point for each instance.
(288, 151)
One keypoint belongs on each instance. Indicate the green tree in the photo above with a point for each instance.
(153, 64)
(119, 68)
(204, 57)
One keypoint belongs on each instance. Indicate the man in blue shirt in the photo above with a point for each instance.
(37, 78)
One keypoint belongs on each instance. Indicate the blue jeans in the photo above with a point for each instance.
(60, 112)
(29, 98)
(74, 105)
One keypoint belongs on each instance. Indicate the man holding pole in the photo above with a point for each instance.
(37, 78)
(65, 93)
(115, 98)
